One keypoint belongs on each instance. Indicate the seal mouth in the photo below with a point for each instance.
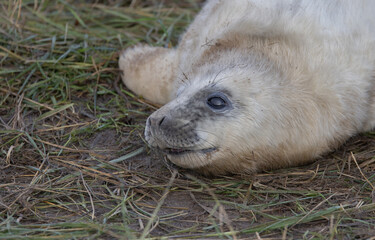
(181, 151)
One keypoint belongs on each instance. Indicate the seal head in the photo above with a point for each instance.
(208, 126)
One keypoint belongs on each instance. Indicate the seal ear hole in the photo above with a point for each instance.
(218, 101)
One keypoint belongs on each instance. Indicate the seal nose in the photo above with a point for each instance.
(157, 121)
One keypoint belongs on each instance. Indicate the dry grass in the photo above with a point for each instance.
(73, 164)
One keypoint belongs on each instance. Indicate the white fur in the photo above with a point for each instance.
(303, 71)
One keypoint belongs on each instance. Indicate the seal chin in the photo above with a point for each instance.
(190, 158)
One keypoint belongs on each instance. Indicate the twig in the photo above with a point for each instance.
(28, 99)
(115, 85)
(148, 229)
(363, 175)
(325, 200)
(89, 193)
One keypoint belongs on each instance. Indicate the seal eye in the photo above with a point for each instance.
(217, 101)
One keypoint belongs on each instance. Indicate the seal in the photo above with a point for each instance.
(256, 85)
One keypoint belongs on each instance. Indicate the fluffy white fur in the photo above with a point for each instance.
(301, 73)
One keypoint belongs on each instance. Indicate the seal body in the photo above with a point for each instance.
(256, 85)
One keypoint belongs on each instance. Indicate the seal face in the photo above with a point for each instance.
(257, 85)
(178, 128)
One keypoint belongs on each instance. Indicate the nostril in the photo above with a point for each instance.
(161, 121)
(157, 122)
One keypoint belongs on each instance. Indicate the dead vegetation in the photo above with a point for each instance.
(73, 163)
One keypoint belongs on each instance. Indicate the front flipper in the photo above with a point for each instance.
(149, 72)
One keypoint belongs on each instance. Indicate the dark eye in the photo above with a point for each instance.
(218, 101)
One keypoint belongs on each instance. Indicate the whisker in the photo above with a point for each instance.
(205, 131)
(218, 73)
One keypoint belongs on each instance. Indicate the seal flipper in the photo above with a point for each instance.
(149, 72)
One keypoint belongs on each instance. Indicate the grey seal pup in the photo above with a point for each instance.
(256, 85)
